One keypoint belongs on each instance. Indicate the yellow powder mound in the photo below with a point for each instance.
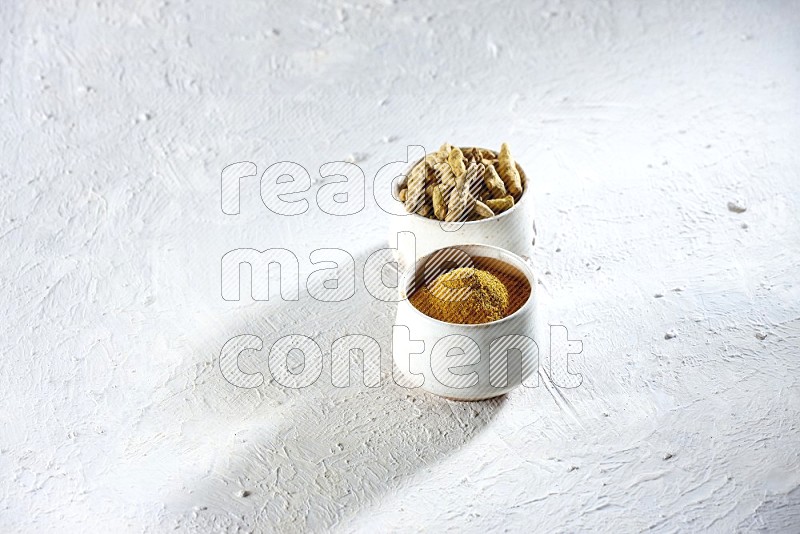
(463, 296)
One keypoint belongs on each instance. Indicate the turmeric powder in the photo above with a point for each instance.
(488, 292)
(464, 295)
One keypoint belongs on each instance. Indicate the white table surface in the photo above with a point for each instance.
(637, 122)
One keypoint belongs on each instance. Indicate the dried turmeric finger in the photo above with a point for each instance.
(458, 207)
(446, 177)
(482, 210)
(493, 182)
(439, 206)
(457, 203)
(456, 161)
(415, 196)
(508, 171)
(499, 205)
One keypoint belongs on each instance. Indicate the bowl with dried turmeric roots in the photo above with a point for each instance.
(464, 195)
(473, 307)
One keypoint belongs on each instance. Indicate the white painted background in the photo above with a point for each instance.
(637, 122)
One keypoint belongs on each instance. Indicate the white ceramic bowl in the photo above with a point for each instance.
(513, 230)
(485, 368)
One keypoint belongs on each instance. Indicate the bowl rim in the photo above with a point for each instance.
(523, 198)
(526, 270)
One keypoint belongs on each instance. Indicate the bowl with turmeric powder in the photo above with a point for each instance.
(465, 328)
(464, 195)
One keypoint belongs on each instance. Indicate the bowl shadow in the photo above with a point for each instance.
(275, 458)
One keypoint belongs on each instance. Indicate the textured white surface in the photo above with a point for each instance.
(637, 125)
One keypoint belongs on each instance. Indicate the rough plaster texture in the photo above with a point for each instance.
(637, 122)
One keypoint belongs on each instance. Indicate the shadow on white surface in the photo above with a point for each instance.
(298, 459)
